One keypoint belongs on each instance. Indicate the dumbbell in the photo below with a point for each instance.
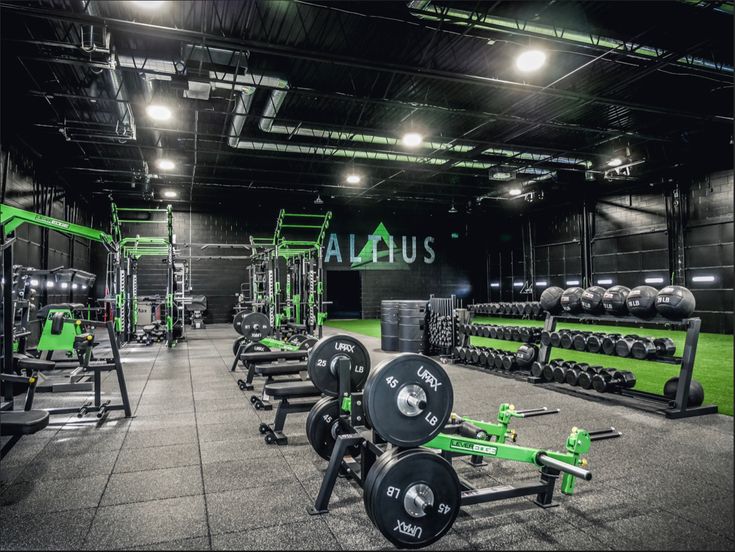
(608, 343)
(490, 362)
(546, 338)
(579, 340)
(515, 334)
(493, 332)
(624, 345)
(594, 342)
(475, 355)
(643, 348)
(611, 381)
(566, 339)
(529, 335)
(498, 360)
(462, 353)
(484, 356)
(536, 369)
(507, 333)
(509, 362)
(664, 346)
(559, 372)
(571, 377)
(555, 338)
(548, 371)
(486, 331)
(585, 378)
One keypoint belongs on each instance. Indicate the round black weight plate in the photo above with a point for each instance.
(408, 399)
(296, 339)
(307, 343)
(325, 356)
(236, 344)
(322, 428)
(412, 496)
(254, 326)
(255, 347)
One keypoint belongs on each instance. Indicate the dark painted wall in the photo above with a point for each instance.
(631, 237)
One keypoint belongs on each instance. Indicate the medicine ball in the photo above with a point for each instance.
(641, 301)
(592, 299)
(550, 299)
(675, 302)
(571, 299)
(613, 300)
(696, 391)
(526, 354)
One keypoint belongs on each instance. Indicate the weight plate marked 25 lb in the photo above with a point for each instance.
(408, 399)
(412, 496)
(324, 358)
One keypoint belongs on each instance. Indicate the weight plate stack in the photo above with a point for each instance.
(389, 325)
(411, 315)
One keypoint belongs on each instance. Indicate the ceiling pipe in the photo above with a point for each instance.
(126, 121)
(424, 9)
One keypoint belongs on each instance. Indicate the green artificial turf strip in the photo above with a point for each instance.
(713, 367)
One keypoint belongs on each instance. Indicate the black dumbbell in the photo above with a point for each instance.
(484, 356)
(624, 345)
(572, 375)
(493, 331)
(559, 371)
(594, 342)
(566, 339)
(485, 330)
(490, 364)
(498, 360)
(509, 362)
(664, 346)
(508, 333)
(555, 338)
(515, 334)
(475, 355)
(643, 348)
(546, 338)
(608, 343)
(462, 353)
(619, 379)
(579, 340)
(536, 369)
(585, 378)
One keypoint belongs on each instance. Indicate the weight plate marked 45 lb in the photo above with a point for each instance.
(324, 359)
(322, 428)
(408, 399)
(412, 496)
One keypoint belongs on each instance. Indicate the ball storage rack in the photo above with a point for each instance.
(671, 408)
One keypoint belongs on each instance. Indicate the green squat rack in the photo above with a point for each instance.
(286, 274)
(411, 491)
(123, 272)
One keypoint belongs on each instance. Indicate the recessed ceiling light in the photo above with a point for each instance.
(698, 279)
(64, 285)
(542, 283)
(158, 112)
(654, 280)
(412, 139)
(495, 284)
(615, 162)
(170, 193)
(34, 283)
(353, 179)
(74, 286)
(604, 282)
(514, 192)
(530, 60)
(572, 282)
(49, 284)
(517, 284)
(165, 164)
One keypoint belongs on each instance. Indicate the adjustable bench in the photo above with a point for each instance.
(271, 371)
(285, 391)
(16, 424)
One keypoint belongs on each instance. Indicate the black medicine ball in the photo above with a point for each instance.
(571, 299)
(641, 301)
(550, 299)
(592, 299)
(613, 300)
(675, 302)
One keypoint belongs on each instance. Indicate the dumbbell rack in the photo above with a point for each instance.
(679, 407)
(441, 306)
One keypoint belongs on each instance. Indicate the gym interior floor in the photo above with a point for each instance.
(190, 471)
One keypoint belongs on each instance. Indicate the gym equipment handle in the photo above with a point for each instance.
(576, 471)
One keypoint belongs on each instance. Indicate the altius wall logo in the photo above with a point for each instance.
(381, 251)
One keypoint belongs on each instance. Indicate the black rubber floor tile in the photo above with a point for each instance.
(209, 433)
(46, 466)
(53, 495)
(312, 534)
(246, 474)
(143, 523)
(224, 451)
(162, 421)
(196, 543)
(715, 515)
(249, 509)
(153, 485)
(78, 441)
(54, 531)
(161, 437)
(151, 458)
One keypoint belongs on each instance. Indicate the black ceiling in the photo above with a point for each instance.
(336, 83)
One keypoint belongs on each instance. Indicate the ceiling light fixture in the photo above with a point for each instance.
(353, 178)
(318, 200)
(495, 284)
(158, 112)
(530, 60)
(615, 162)
(654, 280)
(542, 283)
(452, 209)
(49, 284)
(514, 192)
(148, 4)
(412, 139)
(165, 164)
(703, 279)
(605, 282)
(572, 282)
(170, 193)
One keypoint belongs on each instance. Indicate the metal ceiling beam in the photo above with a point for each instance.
(330, 58)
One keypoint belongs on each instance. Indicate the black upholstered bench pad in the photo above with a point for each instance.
(291, 390)
(280, 369)
(21, 422)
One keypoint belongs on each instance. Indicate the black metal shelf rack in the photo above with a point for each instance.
(676, 408)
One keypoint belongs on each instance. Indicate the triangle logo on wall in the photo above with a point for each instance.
(382, 261)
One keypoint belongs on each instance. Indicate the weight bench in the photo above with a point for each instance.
(271, 371)
(285, 391)
(250, 360)
(16, 424)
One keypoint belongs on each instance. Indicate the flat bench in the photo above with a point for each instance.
(263, 357)
(271, 371)
(284, 391)
(18, 423)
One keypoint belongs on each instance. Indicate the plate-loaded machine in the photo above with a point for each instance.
(411, 491)
(10, 219)
(125, 273)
